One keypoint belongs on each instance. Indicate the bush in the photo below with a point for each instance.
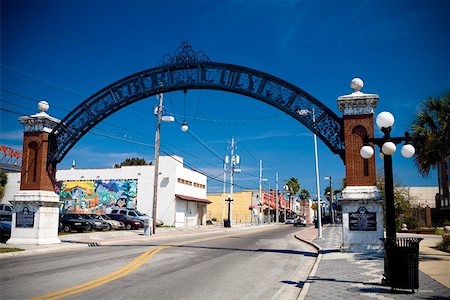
(445, 244)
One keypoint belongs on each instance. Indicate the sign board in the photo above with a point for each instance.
(25, 218)
(362, 220)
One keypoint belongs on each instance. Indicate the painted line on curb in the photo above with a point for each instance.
(305, 288)
(125, 270)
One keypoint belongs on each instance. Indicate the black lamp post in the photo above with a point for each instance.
(227, 223)
(387, 144)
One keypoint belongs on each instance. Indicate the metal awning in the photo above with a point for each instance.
(189, 198)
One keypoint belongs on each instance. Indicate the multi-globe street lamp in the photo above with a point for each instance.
(387, 144)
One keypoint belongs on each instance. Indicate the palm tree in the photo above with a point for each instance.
(431, 133)
(293, 187)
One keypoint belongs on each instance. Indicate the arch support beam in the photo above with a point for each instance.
(174, 75)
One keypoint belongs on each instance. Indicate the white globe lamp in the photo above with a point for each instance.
(388, 148)
(184, 127)
(408, 150)
(366, 152)
(43, 106)
(385, 119)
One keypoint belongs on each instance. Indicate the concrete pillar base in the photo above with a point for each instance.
(362, 219)
(35, 219)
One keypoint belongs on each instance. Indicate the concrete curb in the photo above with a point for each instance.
(305, 288)
(65, 246)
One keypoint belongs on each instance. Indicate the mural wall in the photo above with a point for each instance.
(97, 196)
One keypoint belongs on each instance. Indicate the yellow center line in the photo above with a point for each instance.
(125, 270)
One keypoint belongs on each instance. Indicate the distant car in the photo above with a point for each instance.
(300, 221)
(129, 222)
(6, 209)
(133, 213)
(290, 220)
(95, 224)
(5, 231)
(68, 223)
(113, 224)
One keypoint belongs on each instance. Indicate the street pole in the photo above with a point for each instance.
(319, 213)
(157, 144)
(391, 233)
(268, 206)
(260, 191)
(277, 213)
(233, 160)
(331, 199)
(225, 161)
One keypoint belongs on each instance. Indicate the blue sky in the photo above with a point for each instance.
(65, 51)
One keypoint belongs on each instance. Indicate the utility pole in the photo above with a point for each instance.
(277, 213)
(268, 206)
(235, 160)
(260, 190)
(157, 144)
(225, 162)
(230, 217)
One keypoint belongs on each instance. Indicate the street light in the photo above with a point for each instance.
(304, 112)
(331, 200)
(387, 144)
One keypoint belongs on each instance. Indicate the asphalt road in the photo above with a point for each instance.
(265, 264)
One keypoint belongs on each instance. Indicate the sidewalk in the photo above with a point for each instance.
(341, 275)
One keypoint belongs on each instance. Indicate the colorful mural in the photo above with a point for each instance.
(97, 196)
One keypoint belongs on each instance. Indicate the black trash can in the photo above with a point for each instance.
(401, 263)
(226, 223)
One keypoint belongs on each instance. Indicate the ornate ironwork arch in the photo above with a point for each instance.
(188, 69)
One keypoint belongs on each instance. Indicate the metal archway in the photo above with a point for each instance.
(189, 69)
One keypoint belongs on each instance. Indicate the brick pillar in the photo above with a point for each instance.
(361, 197)
(36, 206)
(34, 163)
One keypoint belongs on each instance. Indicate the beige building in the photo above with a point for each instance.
(424, 196)
(245, 207)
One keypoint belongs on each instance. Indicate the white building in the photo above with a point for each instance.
(181, 191)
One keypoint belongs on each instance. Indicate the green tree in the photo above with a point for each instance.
(304, 194)
(431, 133)
(135, 161)
(293, 186)
(3, 181)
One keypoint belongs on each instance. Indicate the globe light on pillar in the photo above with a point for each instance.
(388, 148)
(408, 151)
(366, 152)
(385, 119)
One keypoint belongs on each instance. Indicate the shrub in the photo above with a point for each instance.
(445, 244)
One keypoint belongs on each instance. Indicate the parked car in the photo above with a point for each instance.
(68, 222)
(5, 210)
(290, 220)
(133, 213)
(300, 221)
(95, 224)
(5, 231)
(113, 224)
(129, 222)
